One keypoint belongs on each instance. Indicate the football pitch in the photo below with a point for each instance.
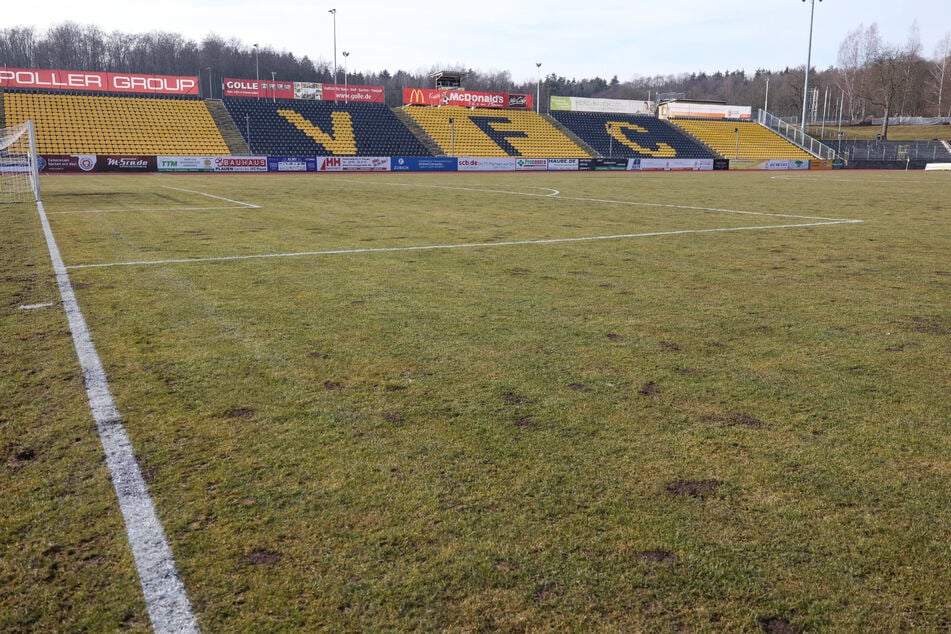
(498, 402)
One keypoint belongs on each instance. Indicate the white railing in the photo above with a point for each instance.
(796, 136)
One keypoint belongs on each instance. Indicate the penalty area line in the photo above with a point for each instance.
(165, 598)
(468, 245)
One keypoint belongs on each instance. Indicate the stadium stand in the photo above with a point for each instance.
(494, 133)
(294, 127)
(110, 124)
(631, 136)
(752, 141)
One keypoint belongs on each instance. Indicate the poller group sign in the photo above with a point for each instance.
(33, 78)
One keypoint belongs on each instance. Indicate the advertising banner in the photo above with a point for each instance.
(261, 89)
(673, 165)
(361, 94)
(720, 165)
(465, 98)
(292, 163)
(267, 89)
(240, 163)
(785, 164)
(588, 104)
(423, 164)
(531, 165)
(186, 163)
(562, 165)
(705, 110)
(487, 165)
(602, 164)
(102, 82)
(58, 163)
(353, 163)
(127, 164)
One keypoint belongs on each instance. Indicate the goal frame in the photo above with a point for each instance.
(23, 160)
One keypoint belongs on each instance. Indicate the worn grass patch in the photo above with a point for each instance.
(733, 430)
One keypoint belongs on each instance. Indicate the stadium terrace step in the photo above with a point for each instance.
(229, 131)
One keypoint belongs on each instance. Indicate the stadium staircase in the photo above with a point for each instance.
(229, 131)
(418, 132)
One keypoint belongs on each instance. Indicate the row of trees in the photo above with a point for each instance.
(872, 79)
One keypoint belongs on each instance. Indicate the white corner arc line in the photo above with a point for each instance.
(468, 245)
(165, 597)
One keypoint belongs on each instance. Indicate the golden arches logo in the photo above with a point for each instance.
(416, 95)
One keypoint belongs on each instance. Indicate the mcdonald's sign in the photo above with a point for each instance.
(466, 98)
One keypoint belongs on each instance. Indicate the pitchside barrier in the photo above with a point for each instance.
(85, 163)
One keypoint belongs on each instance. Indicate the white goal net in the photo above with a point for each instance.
(19, 172)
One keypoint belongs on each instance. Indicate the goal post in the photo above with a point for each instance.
(19, 165)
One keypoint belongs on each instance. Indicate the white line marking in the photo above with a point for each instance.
(471, 245)
(227, 200)
(238, 203)
(35, 306)
(138, 210)
(632, 203)
(165, 597)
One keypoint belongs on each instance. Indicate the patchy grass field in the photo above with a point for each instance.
(710, 424)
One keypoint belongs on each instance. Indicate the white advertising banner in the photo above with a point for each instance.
(240, 163)
(705, 110)
(186, 163)
(531, 164)
(487, 165)
(786, 164)
(590, 104)
(670, 165)
(562, 165)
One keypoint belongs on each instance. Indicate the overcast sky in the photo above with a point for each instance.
(574, 39)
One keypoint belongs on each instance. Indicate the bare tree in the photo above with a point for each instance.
(939, 70)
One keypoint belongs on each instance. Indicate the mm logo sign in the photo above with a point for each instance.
(416, 96)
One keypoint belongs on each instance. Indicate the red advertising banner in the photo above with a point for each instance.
(466, 98)
(364, 94)
(103, 82)
(302, 90)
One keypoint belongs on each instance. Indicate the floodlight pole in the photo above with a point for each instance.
(452, 136)
(538, 89)
(210, 91)
(346, 81)
(805, 87)
(737, 132)
(766, 101)
(333, 12)
(257, 74)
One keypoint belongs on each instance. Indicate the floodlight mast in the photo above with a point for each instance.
(333, 12)
(805, 87)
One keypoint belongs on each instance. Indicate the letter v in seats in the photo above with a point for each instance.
(341, 143)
